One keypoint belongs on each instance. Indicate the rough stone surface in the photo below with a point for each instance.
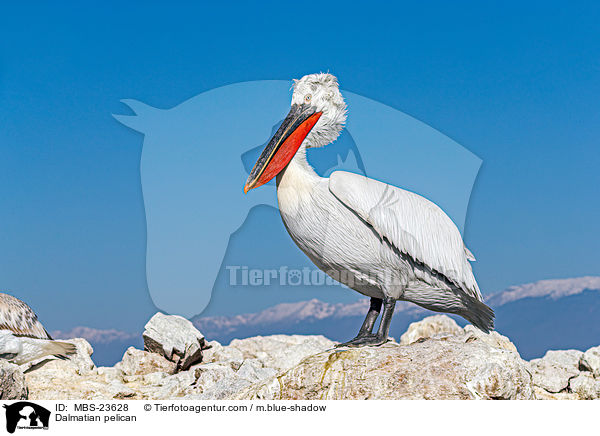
(140, 362)
(223, 372)
(436, 326)
(175, 338)
(436, 360)
(553, 371)
(434, 369)
(590, 361)
(219, 353)
(493, 339)
(281, 352)
(12, 382)
(585, 386)
(542, 394)
(228, 370)
(73, 378)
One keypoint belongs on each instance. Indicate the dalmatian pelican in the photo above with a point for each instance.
(382, 241)
(22, 336)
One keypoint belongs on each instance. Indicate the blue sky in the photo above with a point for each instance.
(517, 84)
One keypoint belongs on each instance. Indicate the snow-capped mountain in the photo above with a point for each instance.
(108, 344)
(336, 321)
(548, 314)
(554, 289)
(290, 314)
(99, 336)
(563, 313)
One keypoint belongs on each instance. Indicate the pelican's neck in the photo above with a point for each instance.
(296, 181)
(297, 171)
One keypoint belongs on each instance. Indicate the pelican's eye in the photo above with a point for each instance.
(307, 98)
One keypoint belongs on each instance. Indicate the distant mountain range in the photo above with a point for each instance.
(549, 314)
(554, 289)
(538, 316)
(305, 317)
(109, 344)
(97, 336)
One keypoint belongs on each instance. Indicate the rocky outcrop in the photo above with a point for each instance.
(566, 375)
(454, 367)
(223, 371)
(175, 338)
(12, 382)
(141, 362)
(590, 361)
(436, 359)
(437, 326)
(52, 378)
(553, 371)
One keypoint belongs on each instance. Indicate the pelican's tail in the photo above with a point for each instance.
(478, 314)
(59, 349)
(453, 300)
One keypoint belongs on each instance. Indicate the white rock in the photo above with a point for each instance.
(253, 371)
(543, 394)
(225, 389)
(176, 386)
(139, 362)
(115, 390)
(585, 386)
(590, 361)
(466, 364)
(553, 371)
(219, 353)
(12, 382)
(281, 352)
(218, 381)
(175, 338)
(434, 369)
(214, 381)
(110, 374)
(433, 326)
(155, 378)
(493, 338)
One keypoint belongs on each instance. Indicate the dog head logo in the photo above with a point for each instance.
(26, 415)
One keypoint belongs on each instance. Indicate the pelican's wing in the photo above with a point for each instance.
(414, 225)
(17, 317)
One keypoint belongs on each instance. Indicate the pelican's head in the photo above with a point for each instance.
(321, 92)
(316, 118)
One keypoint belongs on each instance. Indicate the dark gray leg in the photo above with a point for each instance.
(389, 304)
(367, 326)
(372, 314)
(381, 337)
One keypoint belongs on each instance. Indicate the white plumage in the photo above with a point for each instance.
(382, 241)
(22, 336)
(412, 224)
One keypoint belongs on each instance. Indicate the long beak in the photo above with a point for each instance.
(283, 145)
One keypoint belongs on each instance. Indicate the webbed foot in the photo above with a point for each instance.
(369, 340)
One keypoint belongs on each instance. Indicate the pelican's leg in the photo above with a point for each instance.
(381, 337)
(372, 314)
(367, 326)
